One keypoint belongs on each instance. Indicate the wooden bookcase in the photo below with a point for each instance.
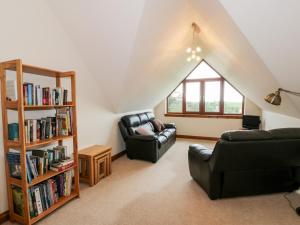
(22, 146)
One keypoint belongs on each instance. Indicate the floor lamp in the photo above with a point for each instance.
(275, 99)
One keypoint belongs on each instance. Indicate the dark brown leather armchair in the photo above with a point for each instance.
(248, 163)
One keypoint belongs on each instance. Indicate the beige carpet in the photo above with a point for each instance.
(142, 193)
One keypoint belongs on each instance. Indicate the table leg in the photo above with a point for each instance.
(91, 167)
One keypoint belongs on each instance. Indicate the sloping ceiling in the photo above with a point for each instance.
(272, 28)
(135, 48)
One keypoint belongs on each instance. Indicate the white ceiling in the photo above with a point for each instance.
(272, 28)
(135, 48)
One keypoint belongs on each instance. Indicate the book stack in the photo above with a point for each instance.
(45, 128)
(35, 95)
(39, 161)
(42, 196)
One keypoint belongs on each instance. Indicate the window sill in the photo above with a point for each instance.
(204, 116)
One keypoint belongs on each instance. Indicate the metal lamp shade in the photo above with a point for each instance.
(273, 98)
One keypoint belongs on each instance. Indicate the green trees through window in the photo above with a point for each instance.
(175, 100)
(204, 91)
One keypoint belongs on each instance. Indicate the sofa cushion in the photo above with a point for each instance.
(246, 135)
(171, 130)
(167, 134)
(148, 126)
(161, 139)
(159, 126)
(285, 133)
(150, 115)
(142, 130)
(131, 120)
(143, 117)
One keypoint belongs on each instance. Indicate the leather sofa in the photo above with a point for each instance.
(146, 147)
(248, 163)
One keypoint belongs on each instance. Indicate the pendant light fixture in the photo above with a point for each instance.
(194, 50)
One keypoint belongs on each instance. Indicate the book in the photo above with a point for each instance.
(38, 200)
(61, 166)
(32, 202)
(65, 97)
(30, 94)
(18, 200)
(25, 94)
(64, 121)
(13, 131)
(34, 130)
(11, 90)
(31, 205)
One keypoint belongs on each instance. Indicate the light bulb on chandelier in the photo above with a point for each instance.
(195, 49)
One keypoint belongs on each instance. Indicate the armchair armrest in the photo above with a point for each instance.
(200, 152)
(143, 137)
(170, 125)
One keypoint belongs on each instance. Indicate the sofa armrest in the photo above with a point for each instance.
(200, 152)
(170, 125)
(142, 147)
(143, 137)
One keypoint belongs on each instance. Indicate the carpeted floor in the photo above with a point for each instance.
(142, 193)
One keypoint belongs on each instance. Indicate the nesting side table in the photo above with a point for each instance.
(94, 163)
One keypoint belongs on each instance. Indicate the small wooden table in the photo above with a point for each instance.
(95, 163)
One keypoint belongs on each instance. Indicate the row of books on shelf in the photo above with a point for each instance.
(44, 128)
(39, 162)
(35, 95)
(42, 196)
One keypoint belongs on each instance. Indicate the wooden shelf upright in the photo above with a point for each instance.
(22, 146)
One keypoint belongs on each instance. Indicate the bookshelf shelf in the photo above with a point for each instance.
(39, 179)
(15, 181)
(15, 144)
(21, 145)
(45, 107)
(47, 176)
(35, 70)
(13, 105)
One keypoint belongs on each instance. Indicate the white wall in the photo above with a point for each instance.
(273, 120)
(205, 127)
(31, 32)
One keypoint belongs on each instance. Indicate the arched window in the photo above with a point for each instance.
(205, 92)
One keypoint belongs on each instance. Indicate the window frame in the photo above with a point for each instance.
(202, 112)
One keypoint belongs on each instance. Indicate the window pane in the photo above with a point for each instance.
(192, 96)
(212, 96)
(175, 100)
(202, 71)
(233, 100)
